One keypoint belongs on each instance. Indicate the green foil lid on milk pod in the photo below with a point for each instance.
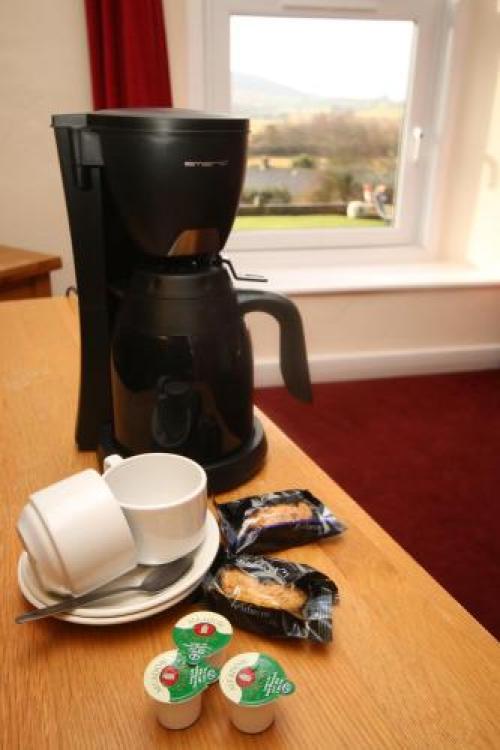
(170, 679)
(200, 635)
(253, 679)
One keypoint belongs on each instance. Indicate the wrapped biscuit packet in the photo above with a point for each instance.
(274, 521)
(272, 597)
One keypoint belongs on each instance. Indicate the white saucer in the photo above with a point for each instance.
(132, 606)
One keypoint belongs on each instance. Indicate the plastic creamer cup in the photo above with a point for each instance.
(203, 635)
(175, 688)
(251, 684)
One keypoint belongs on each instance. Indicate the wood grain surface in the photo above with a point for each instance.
(409, 667)
(17, 264)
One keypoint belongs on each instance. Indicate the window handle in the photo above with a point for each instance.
(418, 135)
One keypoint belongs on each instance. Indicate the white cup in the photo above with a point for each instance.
(179, 715)
(76, 535)
(251, 719)
(164, 498)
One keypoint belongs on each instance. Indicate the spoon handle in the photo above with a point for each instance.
(69, 603)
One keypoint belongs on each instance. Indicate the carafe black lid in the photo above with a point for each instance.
(165, 119)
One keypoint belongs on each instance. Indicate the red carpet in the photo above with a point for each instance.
(422, 456)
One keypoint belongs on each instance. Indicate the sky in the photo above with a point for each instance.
(328, 57)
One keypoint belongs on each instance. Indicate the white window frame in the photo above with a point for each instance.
(406, 242)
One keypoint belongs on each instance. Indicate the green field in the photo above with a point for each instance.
(311, 221)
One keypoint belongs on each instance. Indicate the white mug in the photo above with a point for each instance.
(76, 535)
(164, 499)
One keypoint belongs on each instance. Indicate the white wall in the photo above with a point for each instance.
(471, 226)
(44, 69)
(353, 336)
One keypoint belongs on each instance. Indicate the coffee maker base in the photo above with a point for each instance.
(224, 474)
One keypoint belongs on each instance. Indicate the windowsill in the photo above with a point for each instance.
(373, 278)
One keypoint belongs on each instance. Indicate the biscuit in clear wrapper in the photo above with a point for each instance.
(274, 521)
(272, 597)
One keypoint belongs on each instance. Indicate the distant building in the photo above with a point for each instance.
(299, 182)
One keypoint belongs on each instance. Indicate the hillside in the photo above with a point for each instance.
(260, 97)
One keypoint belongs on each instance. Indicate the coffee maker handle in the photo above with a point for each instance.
(293, 355)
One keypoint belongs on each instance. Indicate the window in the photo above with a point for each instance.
(342, 96)
(326, 124)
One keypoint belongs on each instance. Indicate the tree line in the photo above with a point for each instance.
(345, 148)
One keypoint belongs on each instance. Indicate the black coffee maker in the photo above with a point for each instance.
(166, 359)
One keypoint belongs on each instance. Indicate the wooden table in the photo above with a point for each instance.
(409, 668)
(24, 273)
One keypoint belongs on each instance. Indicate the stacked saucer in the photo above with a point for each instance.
(127, 607)
(88, 532)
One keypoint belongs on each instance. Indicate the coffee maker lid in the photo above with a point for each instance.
(165, 119)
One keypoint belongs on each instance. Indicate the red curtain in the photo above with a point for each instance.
(128, 53)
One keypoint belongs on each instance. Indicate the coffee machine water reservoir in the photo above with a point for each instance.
(166, 359)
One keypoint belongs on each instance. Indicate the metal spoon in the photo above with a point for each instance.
(155, 580)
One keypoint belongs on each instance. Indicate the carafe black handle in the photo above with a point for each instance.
(293, 355)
